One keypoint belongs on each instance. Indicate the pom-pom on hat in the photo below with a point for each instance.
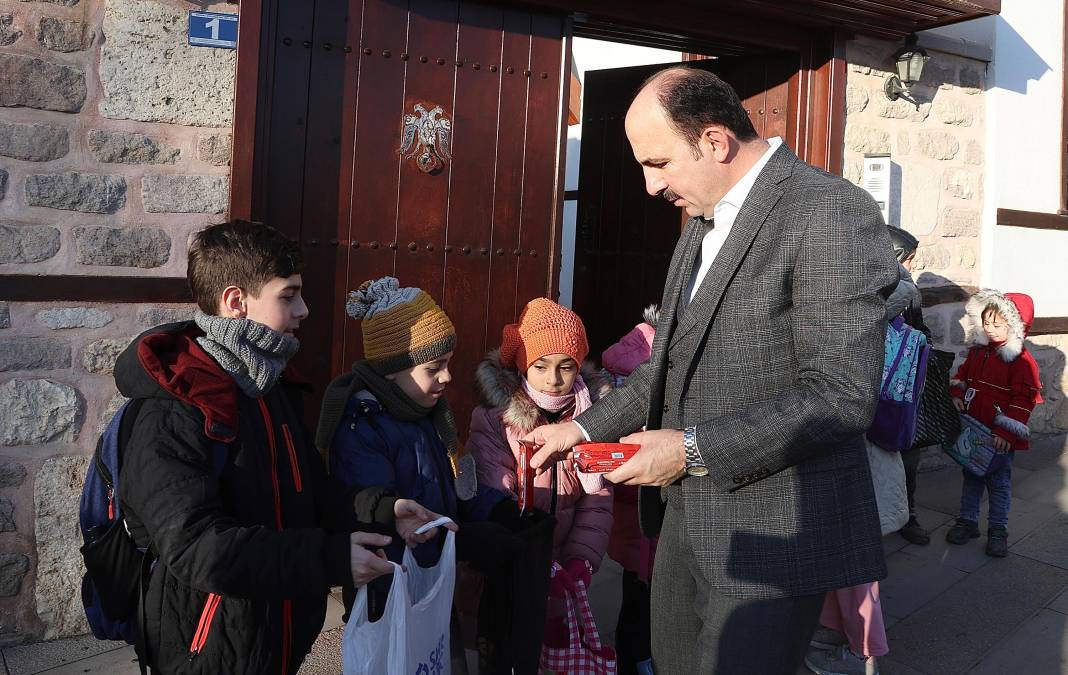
(544, 328)
(402, 327)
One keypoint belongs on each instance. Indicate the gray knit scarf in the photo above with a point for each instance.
(252, 353)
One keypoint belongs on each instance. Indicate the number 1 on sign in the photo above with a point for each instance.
(214, 26)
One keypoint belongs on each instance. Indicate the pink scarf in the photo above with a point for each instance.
(579, 395)
(592, 483)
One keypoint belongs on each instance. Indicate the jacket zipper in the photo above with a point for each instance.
(204, 626)
(297, 482)
(287, 605)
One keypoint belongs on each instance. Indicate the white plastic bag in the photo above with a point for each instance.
(412, 637)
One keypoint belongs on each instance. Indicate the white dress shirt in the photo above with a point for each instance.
(726, 210)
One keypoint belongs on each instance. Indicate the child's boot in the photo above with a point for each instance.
(997, 541)
(914, 534)
(962, 531)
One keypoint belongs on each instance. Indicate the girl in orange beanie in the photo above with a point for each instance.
(538, 376)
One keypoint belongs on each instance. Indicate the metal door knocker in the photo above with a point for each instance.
(427, 137)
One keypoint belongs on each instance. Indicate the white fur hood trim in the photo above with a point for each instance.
(1014, 345)
(501, 386)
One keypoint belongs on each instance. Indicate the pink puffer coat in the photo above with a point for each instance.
(584, 521)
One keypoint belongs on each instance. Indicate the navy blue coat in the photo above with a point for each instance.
(372, 448)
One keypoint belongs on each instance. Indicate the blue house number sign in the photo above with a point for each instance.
(212, 29)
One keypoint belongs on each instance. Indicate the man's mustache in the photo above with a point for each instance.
(669, 195)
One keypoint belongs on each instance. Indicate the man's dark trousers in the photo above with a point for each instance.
(696, 629)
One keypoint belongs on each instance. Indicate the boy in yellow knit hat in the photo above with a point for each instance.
(387, 423)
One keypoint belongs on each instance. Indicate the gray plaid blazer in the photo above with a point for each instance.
(777, 362)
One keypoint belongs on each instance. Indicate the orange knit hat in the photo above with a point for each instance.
(544, 328)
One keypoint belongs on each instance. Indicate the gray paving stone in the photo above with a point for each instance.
(1046, 487)
(949, 634)
(40, 656)
(325, 654)
(913, 582)
(890, 666)
(1040, 645)
(121, 661)
(1060, 604)
(940, 490)
(1048, 544)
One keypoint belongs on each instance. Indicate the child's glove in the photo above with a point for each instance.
(579, 569)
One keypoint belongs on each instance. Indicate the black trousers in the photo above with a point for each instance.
(911, 459)
(696, 629)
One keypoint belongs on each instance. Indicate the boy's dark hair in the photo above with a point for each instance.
(990, 310)
(695, 99)
(238, 253)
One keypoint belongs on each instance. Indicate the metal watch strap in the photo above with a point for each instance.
(695, 465)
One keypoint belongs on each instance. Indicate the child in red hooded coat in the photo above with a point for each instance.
(998, 385)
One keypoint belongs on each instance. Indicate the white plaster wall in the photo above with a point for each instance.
(1024, 149)
(593, 55)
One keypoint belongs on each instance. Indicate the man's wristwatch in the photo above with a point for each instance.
(695, 466)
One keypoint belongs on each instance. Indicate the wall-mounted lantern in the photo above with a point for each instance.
(909, 62)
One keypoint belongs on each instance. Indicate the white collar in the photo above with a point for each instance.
(736, 195)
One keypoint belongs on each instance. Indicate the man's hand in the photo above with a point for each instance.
(1000, 444)
(660, 461)
(410, 516)
(553, 441)
(958, 404)
(367, 566)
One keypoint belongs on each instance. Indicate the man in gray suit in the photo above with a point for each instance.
(764, 375)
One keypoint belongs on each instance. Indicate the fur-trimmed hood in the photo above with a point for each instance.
(501, 386)
(1018, 310)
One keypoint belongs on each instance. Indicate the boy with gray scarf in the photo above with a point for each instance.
(222, 483)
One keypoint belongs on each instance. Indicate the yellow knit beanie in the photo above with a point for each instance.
(402, 327)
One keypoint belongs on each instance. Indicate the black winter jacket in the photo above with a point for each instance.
(231, 494)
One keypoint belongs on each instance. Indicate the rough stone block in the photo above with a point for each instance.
(938, 144)
(118, 147)
(9, 35)
(57, 490)
(960, 223)
(110, 409)
(936, 323)
(74, 317)
(921, 189)
(5, 315)
(856, 98)
(35, 83)
(27, 243)
(902, 110)
(973, 153)
(33, 142)
(867, 139)
(65, 3)
(971, 79)
(12, 474)
(143, 247)
(3, 183)
(904, 144)
(7, 515)
(156, 316)
(185, 194)
(961, 183)
(955, 113)
(100, 356)
(215, 149)
(150, 73)
(72, 191)
(931, 258)
(61, 35)
(33, 353)
(13, 567)
(853, 171)
(38, 411)
(966, 257)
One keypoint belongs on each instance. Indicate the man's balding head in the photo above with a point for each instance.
(692, 100)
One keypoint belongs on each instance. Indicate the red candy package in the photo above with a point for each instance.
(603, 457)
(525, 476)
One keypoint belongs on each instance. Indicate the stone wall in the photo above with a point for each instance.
(114, 146)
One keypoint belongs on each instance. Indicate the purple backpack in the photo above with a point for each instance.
(904, 374)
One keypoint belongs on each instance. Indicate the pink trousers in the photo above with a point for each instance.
(857, 612)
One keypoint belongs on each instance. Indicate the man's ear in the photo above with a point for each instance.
(717, 143)
(234, 303)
